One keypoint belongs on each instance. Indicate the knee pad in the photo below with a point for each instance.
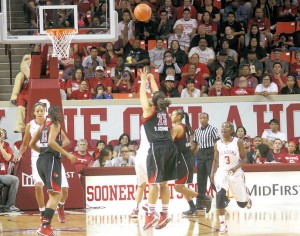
(221, 197)
(242, 204)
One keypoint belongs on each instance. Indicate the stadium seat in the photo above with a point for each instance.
(152, 43)
(17, 145)
(92, 146)
(155, 73)
(285, 27)
(122, 95)
(218, 4)
(297, 25)
(133, 73)
(143, 44)
(72, 146)
(113, 142)
(293, 58)
(149, 95)
(285, 56)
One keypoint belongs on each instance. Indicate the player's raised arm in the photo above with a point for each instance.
(146, 106)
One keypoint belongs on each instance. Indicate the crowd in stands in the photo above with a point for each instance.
(193, 48)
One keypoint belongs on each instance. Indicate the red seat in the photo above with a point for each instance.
(155, 73)
(217, 3)
(152, 44)
(285, 27)
(143, 44)
(297, 25)
(92, 143)
(286, 56)
(293, 57)
(113, 142)
(92, 146)
(122, 95)
(73, 144)
(18, 144)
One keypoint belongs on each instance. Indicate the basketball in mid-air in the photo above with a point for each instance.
(142, 12)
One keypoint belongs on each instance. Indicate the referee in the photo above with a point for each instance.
(204, 140)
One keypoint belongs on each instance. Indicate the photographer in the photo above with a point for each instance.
(6, 155)
(169, 62)
(123, 85)
(287, 12)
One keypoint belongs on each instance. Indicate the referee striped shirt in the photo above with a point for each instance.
(206, 137)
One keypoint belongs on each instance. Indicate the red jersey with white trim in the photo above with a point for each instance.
(25, 85)
(229, 155)
(4, 163)
(278, 156)
(156, 126)
(290, 158)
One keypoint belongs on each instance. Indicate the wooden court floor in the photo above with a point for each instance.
(258, 221)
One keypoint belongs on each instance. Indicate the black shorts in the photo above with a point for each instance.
(185, 168)
(49, 168)
(161, 162)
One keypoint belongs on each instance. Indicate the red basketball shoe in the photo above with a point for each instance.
(164, 219)
(135, 213)
(45, 230)
(150, 219)
(61, 214)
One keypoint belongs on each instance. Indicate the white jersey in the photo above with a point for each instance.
(141, 158)
(229, 155)
(33, 128)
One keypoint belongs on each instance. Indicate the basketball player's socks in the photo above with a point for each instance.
(192, 205)
(48, 216)
(222, 219)
(61, 204)
(42, 211)
(165, 208)
(151, 208)
(137, 206)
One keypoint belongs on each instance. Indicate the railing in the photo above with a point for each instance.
(8, 52)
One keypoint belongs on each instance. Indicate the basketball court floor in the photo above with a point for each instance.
(258, 221)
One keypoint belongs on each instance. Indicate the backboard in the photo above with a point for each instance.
(15, 31)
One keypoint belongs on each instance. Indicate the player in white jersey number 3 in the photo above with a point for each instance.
(229, 156)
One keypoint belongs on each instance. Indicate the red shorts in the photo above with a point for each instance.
(22, 99)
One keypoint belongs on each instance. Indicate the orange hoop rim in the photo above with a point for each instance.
(60, 31)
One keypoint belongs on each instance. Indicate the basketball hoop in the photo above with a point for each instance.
(61, 40)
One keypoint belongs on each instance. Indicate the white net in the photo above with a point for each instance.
(61, 40)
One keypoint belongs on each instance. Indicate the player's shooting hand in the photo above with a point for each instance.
(143, 74)
(72, 158)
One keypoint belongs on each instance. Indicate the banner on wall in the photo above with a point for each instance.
(109, 121)
(265, 189)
